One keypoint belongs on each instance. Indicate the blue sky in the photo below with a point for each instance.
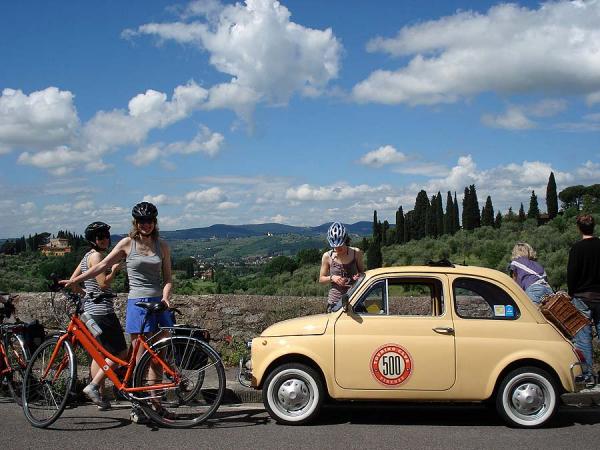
(298, 112)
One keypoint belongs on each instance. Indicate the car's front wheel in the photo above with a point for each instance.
(293, 394)
(527, 397)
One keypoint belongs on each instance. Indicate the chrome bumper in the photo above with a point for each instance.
(245, 368)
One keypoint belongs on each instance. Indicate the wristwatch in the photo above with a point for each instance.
(331, 278)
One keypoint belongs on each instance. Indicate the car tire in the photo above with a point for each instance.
(293, 394)
(527, 398)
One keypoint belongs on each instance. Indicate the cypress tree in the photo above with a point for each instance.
(476, 217)
(456, 215)
(439, 214)
(375, 225)
(522, 216)
(467, 216)
(374, 256)
(431, 222)
(487, 215)
(384, 233)
(534, 210)
(498, 221)
(510, 216)
(551, 197)
(449, 216)
(419, 222)
(408, 226)
(399, 226)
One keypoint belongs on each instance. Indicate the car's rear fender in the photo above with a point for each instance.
(495, 381)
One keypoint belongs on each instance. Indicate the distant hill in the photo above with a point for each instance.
(222, 231)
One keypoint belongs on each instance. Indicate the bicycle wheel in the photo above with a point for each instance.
(18, 355)
(45, 396)
(200, 391)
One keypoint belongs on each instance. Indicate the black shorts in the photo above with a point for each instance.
(112, 338)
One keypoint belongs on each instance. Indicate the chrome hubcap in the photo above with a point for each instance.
(293, 394)
(528, 399)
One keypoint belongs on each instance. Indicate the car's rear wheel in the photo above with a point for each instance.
(527, 397)
(293, 394)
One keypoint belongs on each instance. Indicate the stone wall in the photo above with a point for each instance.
(240, 316)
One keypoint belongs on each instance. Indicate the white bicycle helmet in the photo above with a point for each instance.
(336, 235)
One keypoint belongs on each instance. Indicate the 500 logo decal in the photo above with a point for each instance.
(391, 365)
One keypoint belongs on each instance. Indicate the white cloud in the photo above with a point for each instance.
(205, 141)
(45, 125)
(40, 119)
(211, 195)
(269, 57)
(160, 199)
(510, 49)
(341, 191)
(428, 169)
(383, 156)
(513, 119)
(227, 205)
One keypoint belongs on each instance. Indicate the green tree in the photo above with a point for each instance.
(308, 256)
(534, 210)
(399, 226)
(511, 216)
(376, 226)
(487, 215)
(498, 220)
(572, 196)
(456, 215)
(439, 214)
(551, 197)
(384, 233)
(280, 264)
(467, 214)
(476, 217)
(522, 216)
(374, 256)
(419, 222)
(449, 216)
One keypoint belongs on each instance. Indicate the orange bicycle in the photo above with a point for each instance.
(178, 381)
(13, 349)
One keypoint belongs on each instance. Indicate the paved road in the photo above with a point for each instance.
(344, 426)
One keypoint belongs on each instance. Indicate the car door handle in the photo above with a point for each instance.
(444, 330)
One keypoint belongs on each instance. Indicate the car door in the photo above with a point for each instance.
(398, 335)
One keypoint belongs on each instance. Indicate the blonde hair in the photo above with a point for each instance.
(523, 249)
(135, 233)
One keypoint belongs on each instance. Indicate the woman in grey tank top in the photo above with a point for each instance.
(148, 268)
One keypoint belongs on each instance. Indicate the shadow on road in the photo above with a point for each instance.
(440, 415)
(90, 423)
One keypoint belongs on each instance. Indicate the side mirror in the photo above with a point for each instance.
(345, 299)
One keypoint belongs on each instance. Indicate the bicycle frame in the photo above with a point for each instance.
(77, 333)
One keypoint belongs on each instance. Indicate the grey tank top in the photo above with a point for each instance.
(344, 270)
(144, 272)
(101, 308)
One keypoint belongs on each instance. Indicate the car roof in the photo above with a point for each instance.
(457, 270)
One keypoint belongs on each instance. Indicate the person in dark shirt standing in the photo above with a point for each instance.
(583, 281)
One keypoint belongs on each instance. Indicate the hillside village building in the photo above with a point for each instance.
(56, 247)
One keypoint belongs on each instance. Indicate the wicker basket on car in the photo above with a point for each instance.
(559, 310)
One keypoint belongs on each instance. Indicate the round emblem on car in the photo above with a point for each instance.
(391, 365)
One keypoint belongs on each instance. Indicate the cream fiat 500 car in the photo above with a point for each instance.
(452, 333)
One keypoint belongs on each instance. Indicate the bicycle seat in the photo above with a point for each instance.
(153, 308)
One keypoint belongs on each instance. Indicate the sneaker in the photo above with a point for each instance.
(93, 393)
(137, 416)
(104, 406)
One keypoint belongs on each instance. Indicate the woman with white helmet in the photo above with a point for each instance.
(340, 266)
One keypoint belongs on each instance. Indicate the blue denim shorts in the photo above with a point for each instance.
(135, 316)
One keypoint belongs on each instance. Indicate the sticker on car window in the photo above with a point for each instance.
(391, 365)
(500, 310)
(510, 311)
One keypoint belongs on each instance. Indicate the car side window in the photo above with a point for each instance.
(402, 297)
(415, 297)
(478, 299)
(373, 301)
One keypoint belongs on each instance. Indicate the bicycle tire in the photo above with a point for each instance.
(18, 356)
(200, 391)
(45, 400)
